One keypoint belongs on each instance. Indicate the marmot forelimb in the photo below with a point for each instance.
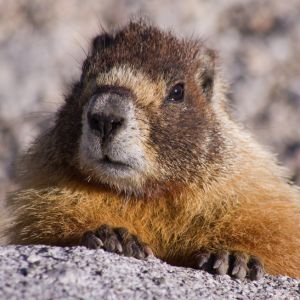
(145, 157)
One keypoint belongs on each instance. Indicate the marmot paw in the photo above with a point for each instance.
(236, 264)
(117, 240)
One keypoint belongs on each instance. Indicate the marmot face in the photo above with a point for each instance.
(145, 105)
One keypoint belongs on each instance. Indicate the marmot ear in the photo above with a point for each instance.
(102, 41)
(206, 70)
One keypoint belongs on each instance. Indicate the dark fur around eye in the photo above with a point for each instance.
(176, 93)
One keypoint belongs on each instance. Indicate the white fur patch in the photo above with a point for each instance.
(146, 90)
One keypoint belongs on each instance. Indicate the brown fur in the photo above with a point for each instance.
(209, 185)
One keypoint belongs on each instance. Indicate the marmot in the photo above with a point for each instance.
(145, 157)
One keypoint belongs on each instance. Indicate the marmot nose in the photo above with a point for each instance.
(105, 125)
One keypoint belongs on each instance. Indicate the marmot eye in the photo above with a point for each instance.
(177, 93)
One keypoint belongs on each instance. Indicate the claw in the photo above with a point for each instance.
(256, 269)
(116, 240)
(236, 264)
(217, 264)
(235, 270)
(202, 259)
(91, 241)
(148, 251)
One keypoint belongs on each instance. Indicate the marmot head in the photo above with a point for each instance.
(143, 113)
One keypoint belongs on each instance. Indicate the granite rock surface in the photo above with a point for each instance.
(40, 272)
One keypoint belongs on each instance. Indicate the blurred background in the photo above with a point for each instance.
(43, 43)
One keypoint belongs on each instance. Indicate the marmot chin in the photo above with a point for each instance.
(144, 157)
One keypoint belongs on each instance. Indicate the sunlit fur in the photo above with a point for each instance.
(220, 191)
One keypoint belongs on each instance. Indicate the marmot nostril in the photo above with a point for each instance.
(105, 125)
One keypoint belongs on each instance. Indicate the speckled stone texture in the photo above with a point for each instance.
(40, 272)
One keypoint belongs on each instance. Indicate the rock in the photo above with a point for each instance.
(41, 272)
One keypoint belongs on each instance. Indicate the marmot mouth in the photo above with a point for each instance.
(113, 163)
